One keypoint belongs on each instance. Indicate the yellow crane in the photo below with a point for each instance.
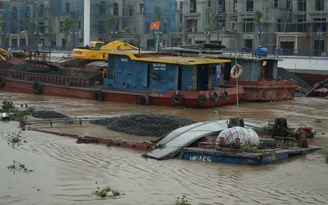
(93, 50)
(3, 54)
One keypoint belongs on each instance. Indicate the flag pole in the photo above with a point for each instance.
(157, 41)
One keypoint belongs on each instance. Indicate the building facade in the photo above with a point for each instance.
(287, 26)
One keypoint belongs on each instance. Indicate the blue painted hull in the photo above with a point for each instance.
(235, 156)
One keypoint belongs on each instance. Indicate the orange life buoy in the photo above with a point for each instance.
(236, 71)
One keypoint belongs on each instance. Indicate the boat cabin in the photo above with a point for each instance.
(160, 72)
(254, 68)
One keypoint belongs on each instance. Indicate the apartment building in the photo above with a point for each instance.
(293, 26)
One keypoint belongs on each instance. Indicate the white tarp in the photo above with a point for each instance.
(247, 136)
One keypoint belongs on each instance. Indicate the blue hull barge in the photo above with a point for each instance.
(231, 141)
(163, 79)
(233, 156)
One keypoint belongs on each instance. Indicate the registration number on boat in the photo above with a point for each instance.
(159, 66)
(201, 158)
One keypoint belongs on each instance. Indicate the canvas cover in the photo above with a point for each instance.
(247, 136)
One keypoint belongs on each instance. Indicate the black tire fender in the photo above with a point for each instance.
(37, 87)
(214, 95)
(177, 98)
(143, 100)
(98, 95)
(225, 95)
(201, 98)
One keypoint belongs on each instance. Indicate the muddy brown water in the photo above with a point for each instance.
(65, 172)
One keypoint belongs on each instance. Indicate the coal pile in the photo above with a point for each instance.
(144, 124)
(48, 114)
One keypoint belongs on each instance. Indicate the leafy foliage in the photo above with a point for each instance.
(182, 201)
(251, 148)
(110, 24)
(15, 139)
(17, 166)
(106, 192)
(67, 26)
(14, 113)
(285, 143)
(8, 105)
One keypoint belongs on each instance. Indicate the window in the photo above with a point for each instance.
(279, 25)
(249, 25)
(101, 27)
(141, 8)
(301, 24)
(289, 5)
(41, 11)
(130, 10)
(192, 6)
(116, 9)
(319, 6)
(102, 8)
(27, 12)
(235, 6)
(67, 7)
(249, 5)
(301, 5)
(319, 23)
(14, 14)
(222, 6)
(61, 24)
(276, 3)
(41, 27)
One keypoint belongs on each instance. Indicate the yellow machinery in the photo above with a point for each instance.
(93, 50)
(3, 54)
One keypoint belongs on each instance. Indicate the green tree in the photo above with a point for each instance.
(258, 17)
(210, 22)
(67, 26)
(110, 24)
(210, 19)
(31, 29)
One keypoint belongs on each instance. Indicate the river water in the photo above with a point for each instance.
(64, 172)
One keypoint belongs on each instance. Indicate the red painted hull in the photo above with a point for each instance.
(190, 99)
(269, 90)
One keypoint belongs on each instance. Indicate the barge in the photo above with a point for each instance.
(202, 142)
(133, 76)
(260, 75)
